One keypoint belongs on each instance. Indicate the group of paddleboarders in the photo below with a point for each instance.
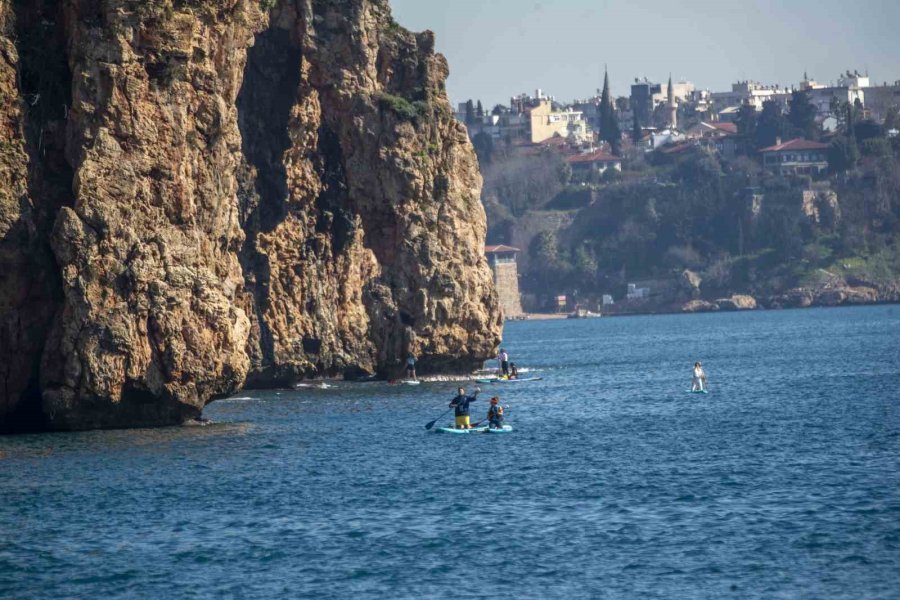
(461, 402)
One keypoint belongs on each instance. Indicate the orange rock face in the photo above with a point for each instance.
(257, 196)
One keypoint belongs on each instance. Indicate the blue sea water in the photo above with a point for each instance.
(783, 482)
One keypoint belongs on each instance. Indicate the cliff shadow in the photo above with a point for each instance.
(268, 94)
(45, 91)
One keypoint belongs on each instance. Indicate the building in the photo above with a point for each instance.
(720, 138)
(502, 260)
(751, 93)
(796, 157)
(658, 139)
(594, 162)
(645, 97)
(849, 89)
(547, 122)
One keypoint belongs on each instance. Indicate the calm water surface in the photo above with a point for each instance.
(784, 482)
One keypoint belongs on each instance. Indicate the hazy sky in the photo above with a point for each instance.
(499, 48)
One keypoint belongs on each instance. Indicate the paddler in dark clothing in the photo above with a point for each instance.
(461, 404)
(495, 414)
(513, 371)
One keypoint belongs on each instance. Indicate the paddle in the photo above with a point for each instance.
(431, 424)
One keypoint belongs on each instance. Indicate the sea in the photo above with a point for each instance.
(782, 482)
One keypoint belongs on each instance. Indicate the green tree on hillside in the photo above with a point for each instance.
(609, 124)
(470, 112)
(636, 132)
(479, 110)
(746, 125)
(484, 147)
(892, 118)
(770, 125)
(802, 115)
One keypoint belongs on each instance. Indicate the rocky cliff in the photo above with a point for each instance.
(226, 193)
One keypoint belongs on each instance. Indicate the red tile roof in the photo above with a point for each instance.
(596, 156)
(499, 248)
(677, 148)
(726, 127)
(796, 144)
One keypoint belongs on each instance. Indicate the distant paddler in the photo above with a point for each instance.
(411, 366)
(698, 382)
(461, 406)
(503, 359)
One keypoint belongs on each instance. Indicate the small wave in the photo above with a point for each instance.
(315, 386)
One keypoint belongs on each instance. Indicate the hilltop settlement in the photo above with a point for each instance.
(675, 198)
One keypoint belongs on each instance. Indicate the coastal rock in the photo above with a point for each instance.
(690, 283)
(699, 306)
(259, 196)
(847, 295)
(737, 302)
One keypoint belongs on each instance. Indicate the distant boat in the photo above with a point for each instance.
(583, 313)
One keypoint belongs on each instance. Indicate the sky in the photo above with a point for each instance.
(501, 48)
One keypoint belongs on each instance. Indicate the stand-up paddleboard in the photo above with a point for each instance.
(698, 391)
(405, 382)
(521, 380)
(482, 429)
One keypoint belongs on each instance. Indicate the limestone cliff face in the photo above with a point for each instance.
(257, 194)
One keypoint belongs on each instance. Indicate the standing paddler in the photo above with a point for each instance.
(461, 404)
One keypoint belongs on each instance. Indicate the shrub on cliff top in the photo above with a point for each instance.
(400, 106)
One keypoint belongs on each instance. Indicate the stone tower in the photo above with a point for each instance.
(673, 108)
(502, 260)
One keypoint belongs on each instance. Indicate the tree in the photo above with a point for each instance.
(636, 132)
(892, 118)
(470, 112)
(484, 147)
(479, 111)
(498, 110)
(609, 124)
(770, 125)
(843, 154)
(802, 115)
(746, 125)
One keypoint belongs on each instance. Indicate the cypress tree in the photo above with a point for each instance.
(609, 125)
(479, 110)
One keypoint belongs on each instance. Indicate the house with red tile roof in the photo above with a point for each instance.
(796, 157)
(597, 161)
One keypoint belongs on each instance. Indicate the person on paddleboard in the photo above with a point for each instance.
(461, 404)
(411, 366)
(503, 358)
(513, 371)
(495, 414)
(699, 379)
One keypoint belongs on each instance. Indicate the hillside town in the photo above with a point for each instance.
(675, 116)
(812, 136)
